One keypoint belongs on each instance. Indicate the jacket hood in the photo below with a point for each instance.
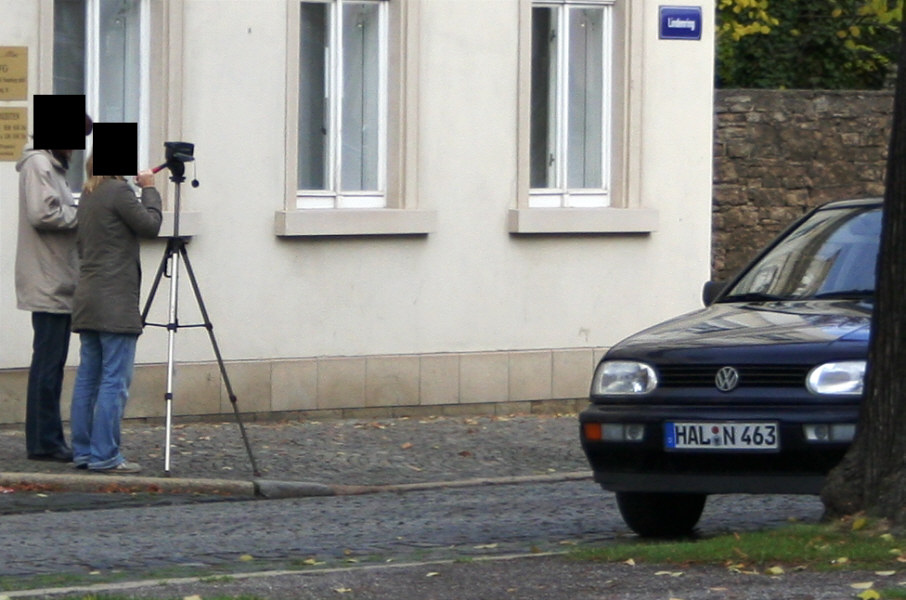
(29, 153)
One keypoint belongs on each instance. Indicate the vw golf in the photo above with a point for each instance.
(758, 392)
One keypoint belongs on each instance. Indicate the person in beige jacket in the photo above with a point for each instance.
(47, 269)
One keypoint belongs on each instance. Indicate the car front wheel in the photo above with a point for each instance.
(661, 515)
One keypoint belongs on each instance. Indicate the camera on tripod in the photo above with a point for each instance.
(177, 155)
(181, 151)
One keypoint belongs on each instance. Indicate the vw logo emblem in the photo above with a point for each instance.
(727, 379)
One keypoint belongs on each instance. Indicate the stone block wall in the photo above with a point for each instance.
(778, 153)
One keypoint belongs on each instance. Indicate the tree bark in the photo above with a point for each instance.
(872, 476)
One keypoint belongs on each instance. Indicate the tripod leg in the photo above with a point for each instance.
(170, 254)
(223, 373)
(172, 328)
(161, 270)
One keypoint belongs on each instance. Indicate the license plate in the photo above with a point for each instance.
(721, 436)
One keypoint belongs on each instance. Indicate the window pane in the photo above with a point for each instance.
(69, 66)
(69, 47)
(119, 68)
(313, 116)
(361, 97)
(585, 99)
(544, 89)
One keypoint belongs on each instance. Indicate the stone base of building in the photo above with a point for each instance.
(505, 382)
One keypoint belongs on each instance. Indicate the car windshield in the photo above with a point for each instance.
(830, 255)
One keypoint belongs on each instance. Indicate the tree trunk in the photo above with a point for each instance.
(872, 476)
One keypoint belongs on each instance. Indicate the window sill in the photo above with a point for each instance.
(354, 222)
(189, 224)
(582, 220)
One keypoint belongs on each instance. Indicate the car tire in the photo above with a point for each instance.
(661, 515)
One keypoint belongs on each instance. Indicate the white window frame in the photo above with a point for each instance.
(92, 77)
(318, 213)
(161, 106)
(543, 214)
(334, 196)
(92, 72)
(561, 195)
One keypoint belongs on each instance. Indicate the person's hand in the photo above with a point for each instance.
(145, 178)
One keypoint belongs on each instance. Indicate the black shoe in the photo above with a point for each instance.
(63, 455)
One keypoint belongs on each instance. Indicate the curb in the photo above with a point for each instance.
(257, 488)
(127, 484)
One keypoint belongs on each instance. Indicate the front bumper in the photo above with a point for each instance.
(798, 466)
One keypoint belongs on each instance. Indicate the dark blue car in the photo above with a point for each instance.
(758, 392)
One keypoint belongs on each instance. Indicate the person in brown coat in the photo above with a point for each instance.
(106, 313)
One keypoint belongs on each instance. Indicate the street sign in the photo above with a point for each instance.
(680, 23)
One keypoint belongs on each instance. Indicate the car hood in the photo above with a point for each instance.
(773, 327)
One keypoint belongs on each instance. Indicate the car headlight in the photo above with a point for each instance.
(844, 378)
(623, 377)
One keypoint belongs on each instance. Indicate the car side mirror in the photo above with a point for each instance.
(712, 290)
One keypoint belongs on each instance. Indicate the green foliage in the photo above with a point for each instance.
(807, 44)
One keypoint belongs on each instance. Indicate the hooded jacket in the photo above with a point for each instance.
(47, 265)
(111, 221)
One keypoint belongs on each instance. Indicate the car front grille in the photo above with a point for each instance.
(680, 376)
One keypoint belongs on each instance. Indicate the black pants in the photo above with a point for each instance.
(43, 425)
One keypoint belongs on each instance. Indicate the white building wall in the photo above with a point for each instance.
(467, 313)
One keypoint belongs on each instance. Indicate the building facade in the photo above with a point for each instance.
(402, 203)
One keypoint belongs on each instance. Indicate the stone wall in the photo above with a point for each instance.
(778, 153)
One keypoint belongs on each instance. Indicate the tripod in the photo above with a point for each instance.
(176, 251)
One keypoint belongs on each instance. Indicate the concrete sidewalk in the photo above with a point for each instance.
(317, 458)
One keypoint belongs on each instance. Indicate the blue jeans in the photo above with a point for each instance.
(99, 397)
(43, 426)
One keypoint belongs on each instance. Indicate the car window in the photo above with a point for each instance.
(830, 255)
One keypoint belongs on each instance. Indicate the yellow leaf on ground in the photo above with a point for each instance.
(869, 595)
(670, 573)
(775, 571)
(859, 523)
(342, 590)
(432, 574)
(887, 537)
(192, 597)
(885, 573)
(246, 558)
(864, 585)
(630, 562)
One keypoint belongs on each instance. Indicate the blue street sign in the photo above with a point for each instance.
(680, 23)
